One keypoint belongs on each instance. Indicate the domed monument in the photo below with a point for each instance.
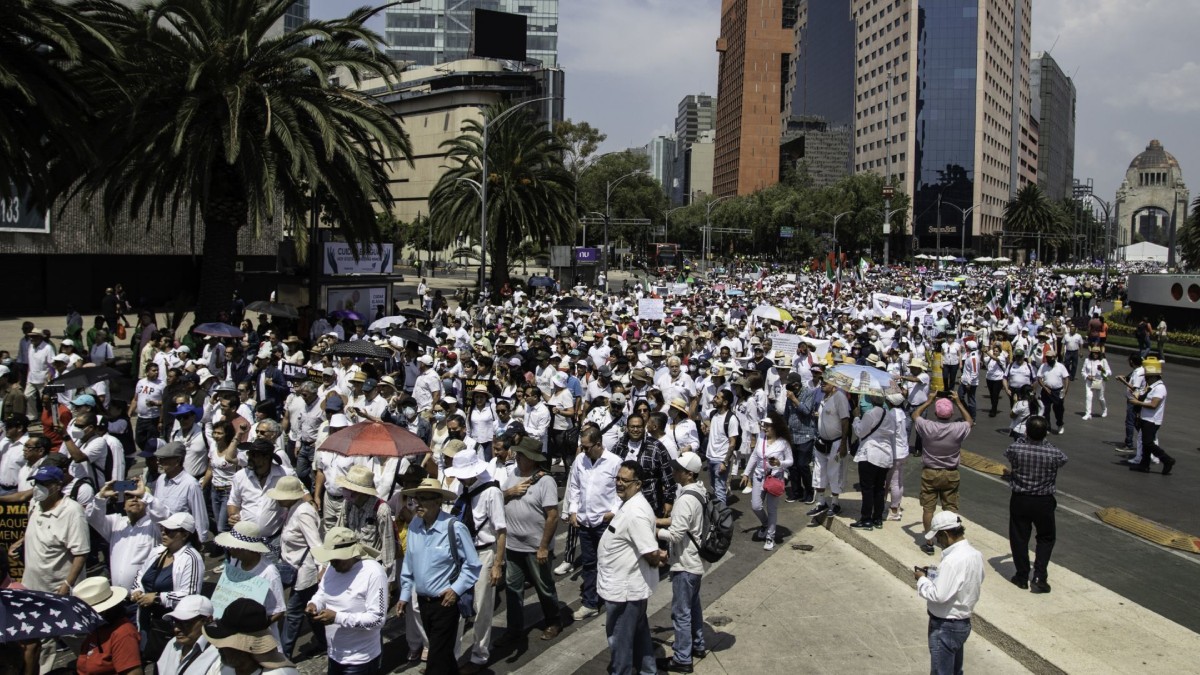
(1152, 200)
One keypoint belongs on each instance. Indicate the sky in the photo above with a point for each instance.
(1134, 62)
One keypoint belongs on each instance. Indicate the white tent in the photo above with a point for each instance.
(1143, 252)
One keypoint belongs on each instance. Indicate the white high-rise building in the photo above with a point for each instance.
(430, 32)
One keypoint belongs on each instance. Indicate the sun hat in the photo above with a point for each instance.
(944, 408)
(190, 607)
(943, 520)
(245, 626)
(179, 521)
(918, 364)
(288, 488)
(481, 389)
(187, 409)
(430, 485)
(244, 536)
(99, 593)
(452, 447)
(895, 399)
(467, 464)
(560, 380)
(531, 448)
(338, 421)
(342, 544)
(688, 461)
(679, 404)
(358, 479)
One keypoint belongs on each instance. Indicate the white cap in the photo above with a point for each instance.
(179, 521)
(943, 520)
(4, 371)
(688, 461)
(425, 359)
(190, 607)
(68, 343)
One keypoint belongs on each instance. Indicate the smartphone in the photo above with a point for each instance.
(125, 485)
(943, 394)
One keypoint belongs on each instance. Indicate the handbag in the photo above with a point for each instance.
(289, 572)
(120, 331)
(773, 485)
(466, 601)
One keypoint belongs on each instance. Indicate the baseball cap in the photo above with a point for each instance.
(425, 360)
(334, 403)
(49, 473)
(172, 449)
(943, 520)
(179, 521)
(618, 399)
(370, 384)
(688, 461)
(84, 399)
(190, 607)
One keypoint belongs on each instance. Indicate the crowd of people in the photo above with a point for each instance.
(630, 419)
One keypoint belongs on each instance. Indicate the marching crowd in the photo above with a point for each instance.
(628, 419)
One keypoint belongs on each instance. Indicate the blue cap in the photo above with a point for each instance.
(84, 399)
(370, 384)
(49, 473)
(334, 404)
(151, 445)
(187, 409)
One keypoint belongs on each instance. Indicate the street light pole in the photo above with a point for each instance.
(483, 182)
(608, 210)
(962, 247)
(706, 240)
(667, 222)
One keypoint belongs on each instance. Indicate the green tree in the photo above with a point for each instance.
(1189, 239)
(43, 102)
(211, 111)
(529, 195)
(632, 196)
(1030, 213)
(580, 141)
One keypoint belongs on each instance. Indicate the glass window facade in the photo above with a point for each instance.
(448, 25)
(945, 125)
(296, 15)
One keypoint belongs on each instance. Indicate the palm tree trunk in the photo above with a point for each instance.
(224, 213)
(499, 253)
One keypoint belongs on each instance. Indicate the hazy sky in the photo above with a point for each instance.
(1135, 64)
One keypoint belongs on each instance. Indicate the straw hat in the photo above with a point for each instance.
(97, 592)
(452, 447)
(679, 404)
(342, 544)
(358, 479)
(245, 626)
(918, 363)
(244, 536)
(289, 488)
(481, 389)
(430, 485)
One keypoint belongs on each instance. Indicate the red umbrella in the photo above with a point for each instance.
(374, 439)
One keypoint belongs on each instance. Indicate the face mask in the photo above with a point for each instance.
(439, 416)
(1050, 362)
(865, 405)
(40, 493)
(410, 414)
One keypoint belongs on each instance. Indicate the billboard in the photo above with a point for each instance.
(18, 215)
(372, 259)
(361, 299)
(499, 35)
(587, 256)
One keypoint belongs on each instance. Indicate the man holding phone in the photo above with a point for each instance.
(951, 593)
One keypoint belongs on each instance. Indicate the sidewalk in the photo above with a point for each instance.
(1080, 627)
(828, 610)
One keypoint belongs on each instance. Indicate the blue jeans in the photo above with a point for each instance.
(369, 668)
(304, 463)
(220, 499)
(294, 620)
(946, 644)
(687, 615)
(629, 644)
(720, 480)
(589, 544)
(1131, 414)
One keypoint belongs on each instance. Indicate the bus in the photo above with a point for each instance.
(663, 256)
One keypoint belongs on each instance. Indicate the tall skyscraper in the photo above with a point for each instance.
(1053, 96)
(296, 15)
(661, 152)
(696, 118)
(697, 114)
(755, 45)
(942, 96)
(430, 32)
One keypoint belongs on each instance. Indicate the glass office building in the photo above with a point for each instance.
(944, 148)
(430, 32)
(296, 15)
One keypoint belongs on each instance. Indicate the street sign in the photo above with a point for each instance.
(658, 231)
(787, 232)
(17, 215)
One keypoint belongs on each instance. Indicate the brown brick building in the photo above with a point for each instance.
(755, 46)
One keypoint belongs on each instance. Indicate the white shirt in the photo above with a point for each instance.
(172, 657)
(180, 494)
(301, 532)
(970, 369)
(956, 590)
(359, 598)
(149, 390)
(718, 440)
(12, 458)
(1053, 376)
(129, 544)
(537, 420)
(1155, 415)
(487, 510)
(622, 574)
(833, 409)
(250, 495)
(41, 359)
(681, 436)
(592, 488)
(427, 389)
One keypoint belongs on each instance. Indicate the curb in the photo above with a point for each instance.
(1173, 359)
(1004, 640)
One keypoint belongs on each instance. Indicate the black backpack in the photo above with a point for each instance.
(717, 531)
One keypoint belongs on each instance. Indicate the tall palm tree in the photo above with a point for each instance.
(214, 114)
(530, 193)
(1030, 213)
(1189, 239)
(41, 103)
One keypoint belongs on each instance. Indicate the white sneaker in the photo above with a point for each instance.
(1087, 417)
(748, 489)
(1104, 414)
(585, 612)
(1061, 431)
(769, 545)
(565, 567)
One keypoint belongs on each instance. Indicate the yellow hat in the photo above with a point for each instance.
(1152, 366)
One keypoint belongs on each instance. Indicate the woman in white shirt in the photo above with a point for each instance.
(1027, 405)
(895, 477)
(481, 420)
(101, 353)
(765, 470)
(224, 460)
(876, 431)
(1095, 372)
(996, 363)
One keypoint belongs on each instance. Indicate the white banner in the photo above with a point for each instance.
(787, 342)
(361, 300)
(884, 304)
(650, 309)
(339, 259)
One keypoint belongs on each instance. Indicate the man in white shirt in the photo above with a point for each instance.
(12, 452)
(591, 503)
(147, 405)
(628, 556)
(176, 491)
(428, 387)
(189, 653)
(248, 498)
(969, 381)
(40, 363)
(832, 444)
(724, 433)
(351, 602)
(951, 593)
(1054, 380)
(131, 536)
(1072, 342)
(683, 532)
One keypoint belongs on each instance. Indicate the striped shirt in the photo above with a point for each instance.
(187, 574)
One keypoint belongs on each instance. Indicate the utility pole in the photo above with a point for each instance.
(887, 180)
(939, 230)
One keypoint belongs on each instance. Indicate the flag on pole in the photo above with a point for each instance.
(863, 268)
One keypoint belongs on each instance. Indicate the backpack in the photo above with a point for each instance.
(716, 533)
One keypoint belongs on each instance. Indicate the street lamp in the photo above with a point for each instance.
(608, 209)
(1107, 207)
(483, 182)
(887, 219)
(590, 213)
(667, 221)
(962, 247)
(836, 217)
(708, 209)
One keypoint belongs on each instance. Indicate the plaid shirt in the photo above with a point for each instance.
(1034, 466)
(659, 486)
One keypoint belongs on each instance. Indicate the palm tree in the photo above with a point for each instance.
(1030, 213)
(1189, 239)
(210, 111)
(530, 193)
(41, 103)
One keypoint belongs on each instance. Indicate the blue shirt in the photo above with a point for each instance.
(428, 568)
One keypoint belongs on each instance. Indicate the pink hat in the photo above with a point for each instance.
(944, 408)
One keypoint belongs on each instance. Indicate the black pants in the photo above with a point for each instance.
(1053, 400)
(995, 388)
(1150, 444)
(949, 375)
(800, 473)
(873, 481)
(441, 627)
(1024, 513)
(967, 393)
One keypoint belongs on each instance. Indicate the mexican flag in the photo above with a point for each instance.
(863, 268)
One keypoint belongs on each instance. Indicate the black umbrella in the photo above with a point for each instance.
(415, 314)
(573, 303)
(36, 615)
(86, 377)
(273, 309)
(413, 335)
(360, 348)
(218, 329)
